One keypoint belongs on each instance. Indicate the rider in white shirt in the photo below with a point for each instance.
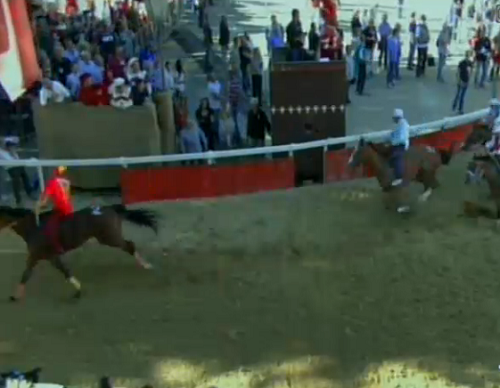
(493, 114)
(493, 146)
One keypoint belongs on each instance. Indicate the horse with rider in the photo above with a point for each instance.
(50, 234)
(397, 162)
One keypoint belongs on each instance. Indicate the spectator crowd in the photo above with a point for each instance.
(115, 61)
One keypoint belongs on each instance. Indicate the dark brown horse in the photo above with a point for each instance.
(477, 139)
(491, 172)
(481, 133)
(102, 223)
(420, 164)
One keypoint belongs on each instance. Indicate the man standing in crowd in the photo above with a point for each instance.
(394, 54)
(423, 37)
(412, 29)
(214, 90)
(384, 30)
(61, 66)
(370, 42)
(257, 125)
(442, 44)
(361, 62)
(463, 77)
(482, 49)
(294, 32)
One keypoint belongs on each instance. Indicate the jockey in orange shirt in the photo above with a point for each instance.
(57, 192)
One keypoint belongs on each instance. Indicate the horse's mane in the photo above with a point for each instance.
(18, 212)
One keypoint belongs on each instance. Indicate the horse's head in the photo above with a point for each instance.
(362, 153)
(479, 136)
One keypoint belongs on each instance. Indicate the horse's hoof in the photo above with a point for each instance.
(77, 295)
(13, 299)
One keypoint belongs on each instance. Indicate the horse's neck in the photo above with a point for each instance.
(381, 170)
(23, 226)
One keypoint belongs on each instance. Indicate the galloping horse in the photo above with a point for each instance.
(421, 164)
(477, 139)
(102, 223)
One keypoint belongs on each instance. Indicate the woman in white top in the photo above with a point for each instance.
(179, 79)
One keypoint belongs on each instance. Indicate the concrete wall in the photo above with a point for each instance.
(75, 131)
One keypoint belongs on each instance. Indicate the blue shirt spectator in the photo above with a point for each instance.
(193, 140)
(394, 49)
(73, 82)
(147, 56)
(89, 67)
(384, 29)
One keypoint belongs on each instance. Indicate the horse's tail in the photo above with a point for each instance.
(447, 155)
(475, 210)
(141, 217)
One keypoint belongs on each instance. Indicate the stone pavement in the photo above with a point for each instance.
(422, 99)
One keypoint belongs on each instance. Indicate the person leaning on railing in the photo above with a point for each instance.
(53, 91)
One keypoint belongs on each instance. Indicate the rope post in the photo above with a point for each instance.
(41, 179)
(210, 159)
(325, 150)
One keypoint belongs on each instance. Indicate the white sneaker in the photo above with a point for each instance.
(397, 182)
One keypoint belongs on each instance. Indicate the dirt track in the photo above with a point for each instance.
(313, 287)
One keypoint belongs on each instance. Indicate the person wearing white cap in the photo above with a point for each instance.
(400, 141)
(493, 113)
(493, 146)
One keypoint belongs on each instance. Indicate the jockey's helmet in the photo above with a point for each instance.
(398, 114)
(61, 170)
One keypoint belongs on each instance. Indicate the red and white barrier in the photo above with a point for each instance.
(177, 183)
(141, 183)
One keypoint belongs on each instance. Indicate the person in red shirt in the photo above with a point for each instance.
(92, 95)
(117, 63)
(57, 192)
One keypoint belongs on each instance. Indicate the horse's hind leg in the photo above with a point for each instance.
(61, 267)
(117, 241)
(26, 276)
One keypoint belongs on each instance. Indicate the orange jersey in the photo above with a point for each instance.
(58, 191)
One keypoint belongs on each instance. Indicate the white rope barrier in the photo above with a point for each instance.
(417, 130)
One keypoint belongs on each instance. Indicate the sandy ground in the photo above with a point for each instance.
(314, 287)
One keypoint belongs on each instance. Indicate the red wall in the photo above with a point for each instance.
(176, 183)
(171, 183)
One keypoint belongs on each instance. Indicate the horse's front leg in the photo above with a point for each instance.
(430, 183)
(26, 276)
(58, 264)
